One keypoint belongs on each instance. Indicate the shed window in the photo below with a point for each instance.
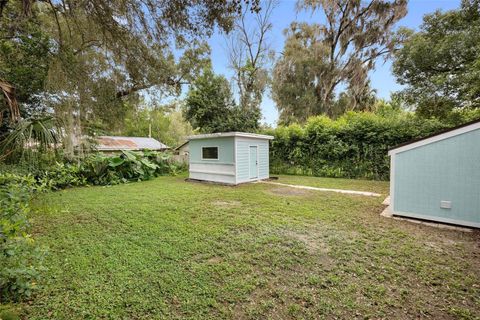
(210, 153)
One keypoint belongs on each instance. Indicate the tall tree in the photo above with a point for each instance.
(250, 54)
(440, 64)
(25, 52)
(210, 106)
(162, 122)
(318, 58)
(106, 52)
(356, 98)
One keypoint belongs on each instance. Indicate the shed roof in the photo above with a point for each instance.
(114, 143)
(230, 134)
(466, 127)
(180, 146)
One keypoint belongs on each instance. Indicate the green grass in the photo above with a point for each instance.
(381, 187)
(168, 249)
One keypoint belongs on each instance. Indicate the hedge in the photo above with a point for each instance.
(353, 146)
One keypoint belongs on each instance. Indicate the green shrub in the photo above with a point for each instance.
(354, 146)
(20, 267)
(20, 258)
(60, 176)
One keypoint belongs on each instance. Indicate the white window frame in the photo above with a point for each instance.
(211, 159)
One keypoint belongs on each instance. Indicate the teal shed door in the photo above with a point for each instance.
(253, 162)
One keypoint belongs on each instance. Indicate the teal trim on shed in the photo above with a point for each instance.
(444, 168)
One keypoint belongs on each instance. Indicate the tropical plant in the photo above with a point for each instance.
(29, 137)
(100, 169)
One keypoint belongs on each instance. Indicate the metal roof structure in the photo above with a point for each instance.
(230, 134)
(180, 146)
(466, 127)
(116, 143)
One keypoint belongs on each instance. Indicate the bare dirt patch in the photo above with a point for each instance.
(286, 191)
(214, 260)
(312, 243)
(227, 204)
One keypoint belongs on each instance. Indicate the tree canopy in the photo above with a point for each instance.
(440, 64)
(210, 107)
(318, 58)
(84, 61)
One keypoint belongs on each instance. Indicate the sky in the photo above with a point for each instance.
(382, 79)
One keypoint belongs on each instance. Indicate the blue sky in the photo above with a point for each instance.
(382, 78)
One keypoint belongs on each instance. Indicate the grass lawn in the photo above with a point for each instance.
(168, 249)
(381, 187)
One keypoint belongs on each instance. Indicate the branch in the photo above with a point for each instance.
(87, 45)
(139, 87)
(57, 21)
(9, 93)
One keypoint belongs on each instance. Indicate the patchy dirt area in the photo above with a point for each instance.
(257, 251)
(227, 204)
(286, 191)
(313, 243)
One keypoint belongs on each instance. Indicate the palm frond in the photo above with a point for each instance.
(36, 134)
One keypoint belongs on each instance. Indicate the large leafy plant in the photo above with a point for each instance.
(20, 258)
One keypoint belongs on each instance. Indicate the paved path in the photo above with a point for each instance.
(362, 193)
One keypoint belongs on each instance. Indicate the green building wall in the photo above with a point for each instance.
(233, 164)
(226, 150)
(445, 170)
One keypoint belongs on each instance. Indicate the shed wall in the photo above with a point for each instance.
(243, 165)
(221, 170)
(446, 170)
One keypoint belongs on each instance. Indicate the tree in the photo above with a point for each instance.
(164, 123)
(105, 53)
(24, 61)
(440, 64)
(210, 106)
(318, 58)
(359, 97)
(250, 55)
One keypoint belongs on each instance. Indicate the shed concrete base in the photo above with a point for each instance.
(223, 183)
(387, 213)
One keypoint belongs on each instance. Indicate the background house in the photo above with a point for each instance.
(116, 144)
(438, 177)
(181, 153)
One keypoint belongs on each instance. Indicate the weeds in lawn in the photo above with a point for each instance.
(170, 249)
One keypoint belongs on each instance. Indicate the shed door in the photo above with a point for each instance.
(253, 162)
